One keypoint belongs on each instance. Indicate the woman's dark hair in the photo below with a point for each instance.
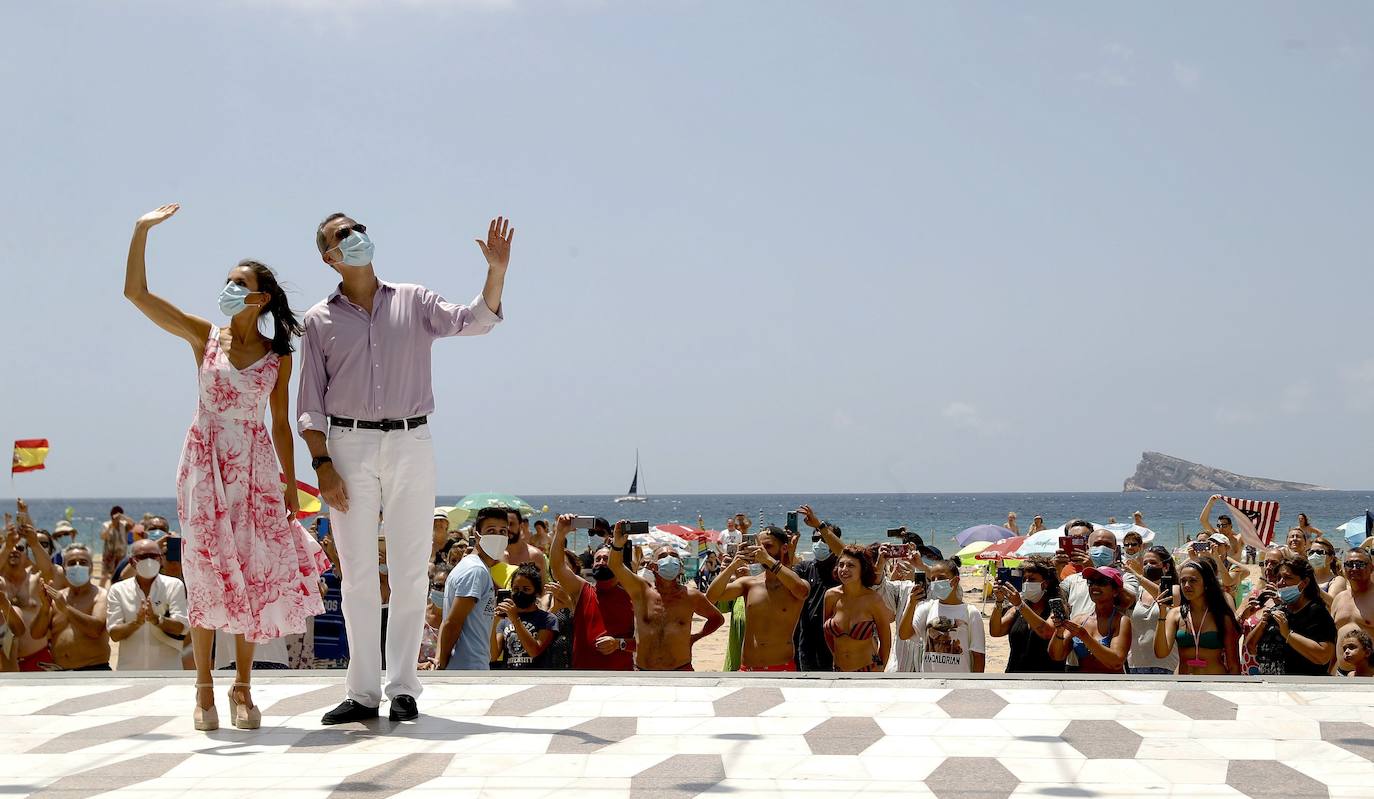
(1167, 558)
(530, 572)
(573, 562)
(868, 574)
(1302, 519)
(284, 322)
(1213, 596)
(1302, 570)
(116, 509)
(1045, 568)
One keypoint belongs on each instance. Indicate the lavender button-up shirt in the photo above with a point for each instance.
(375, 367)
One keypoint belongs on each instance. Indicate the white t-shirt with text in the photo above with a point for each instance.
(949, 633)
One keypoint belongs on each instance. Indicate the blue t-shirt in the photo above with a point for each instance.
(470, 578)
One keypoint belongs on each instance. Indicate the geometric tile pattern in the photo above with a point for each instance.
(1102, 740)
(516, 735)
(1269, 779)
(971, 778)
(1201, 705)
(843, 735)
(972, 703)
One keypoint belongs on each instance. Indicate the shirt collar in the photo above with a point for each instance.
(337, 293)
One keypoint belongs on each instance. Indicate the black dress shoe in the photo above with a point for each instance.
(403, 708)
(349, 711)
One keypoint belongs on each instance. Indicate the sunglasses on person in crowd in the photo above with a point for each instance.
(1355, 565)
(1100, 581)
(346, 230)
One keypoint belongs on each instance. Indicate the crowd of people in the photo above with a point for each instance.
(509, 592)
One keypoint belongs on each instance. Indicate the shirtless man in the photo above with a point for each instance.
(80, 641)
(519, 550)
(1356, 604)
(24, 591)
(663, 608)
(773, 596)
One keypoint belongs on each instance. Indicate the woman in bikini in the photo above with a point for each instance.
(1326, 568)
(1100, 640)
(1203, 626)
(858, 623)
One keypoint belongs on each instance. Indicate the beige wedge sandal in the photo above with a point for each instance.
(244, 717)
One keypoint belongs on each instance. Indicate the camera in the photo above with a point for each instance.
(1010, 577)
(502, 595)
(792, 522)
(636, 528)
(896, 532)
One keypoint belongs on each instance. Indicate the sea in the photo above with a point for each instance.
(863, 517)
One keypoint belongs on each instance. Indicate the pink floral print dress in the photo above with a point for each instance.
(249, 568)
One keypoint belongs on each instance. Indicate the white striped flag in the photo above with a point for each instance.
(1254, 519)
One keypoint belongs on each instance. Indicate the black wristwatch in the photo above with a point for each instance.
(316, 463)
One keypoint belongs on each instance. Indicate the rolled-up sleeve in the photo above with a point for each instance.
(443, 318)
(310, 397)
(178, 608)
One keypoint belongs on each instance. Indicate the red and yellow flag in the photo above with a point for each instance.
(29, 454)
(307, 496)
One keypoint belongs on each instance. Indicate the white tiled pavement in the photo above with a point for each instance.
(611, 736)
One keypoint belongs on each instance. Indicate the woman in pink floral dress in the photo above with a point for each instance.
(250, 568)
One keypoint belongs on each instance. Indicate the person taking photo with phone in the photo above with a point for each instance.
(249, 567)
(773, 596)
(664, 607)
(603, 614)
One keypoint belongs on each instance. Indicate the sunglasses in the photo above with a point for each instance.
(345, 231)
(1355, 565)
(1101, 581)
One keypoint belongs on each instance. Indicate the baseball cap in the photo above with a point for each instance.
(1105, 572)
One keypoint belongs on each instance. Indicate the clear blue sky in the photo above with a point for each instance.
(782, 246)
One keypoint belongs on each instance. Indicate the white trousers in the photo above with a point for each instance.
(390, 472)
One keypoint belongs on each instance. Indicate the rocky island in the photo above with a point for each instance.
(1159, 472)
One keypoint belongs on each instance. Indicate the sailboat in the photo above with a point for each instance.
(634, 495)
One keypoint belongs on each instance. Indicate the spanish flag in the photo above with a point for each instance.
(307, 496)
(29, 454)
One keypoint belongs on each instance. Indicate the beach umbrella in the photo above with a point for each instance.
(1045, 542)
(967, 554)
(1146, 534)
(1355, 530)
(1004, 549)
(456, 515)
(657, 538)
(990, 533)
(475, 502)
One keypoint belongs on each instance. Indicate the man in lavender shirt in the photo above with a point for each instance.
(365, 395)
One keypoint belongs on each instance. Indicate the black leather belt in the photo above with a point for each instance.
(385, 424)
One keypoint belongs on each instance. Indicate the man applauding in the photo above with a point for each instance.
(664, 607)
(773, 596)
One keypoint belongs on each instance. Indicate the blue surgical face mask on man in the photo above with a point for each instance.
(78, 575)
(1289, 594)
(356, 249)
(155, 535)
(233, 299)
(939, 589)
(669, 568)
(1102, 556)
(820, 550)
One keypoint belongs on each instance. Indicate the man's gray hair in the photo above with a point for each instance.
(75, 545)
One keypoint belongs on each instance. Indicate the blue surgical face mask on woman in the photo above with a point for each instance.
(939, 590)
(1102, 556)
(1317, 558)
(436, 598)
(233, 299)
(1289, 594)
